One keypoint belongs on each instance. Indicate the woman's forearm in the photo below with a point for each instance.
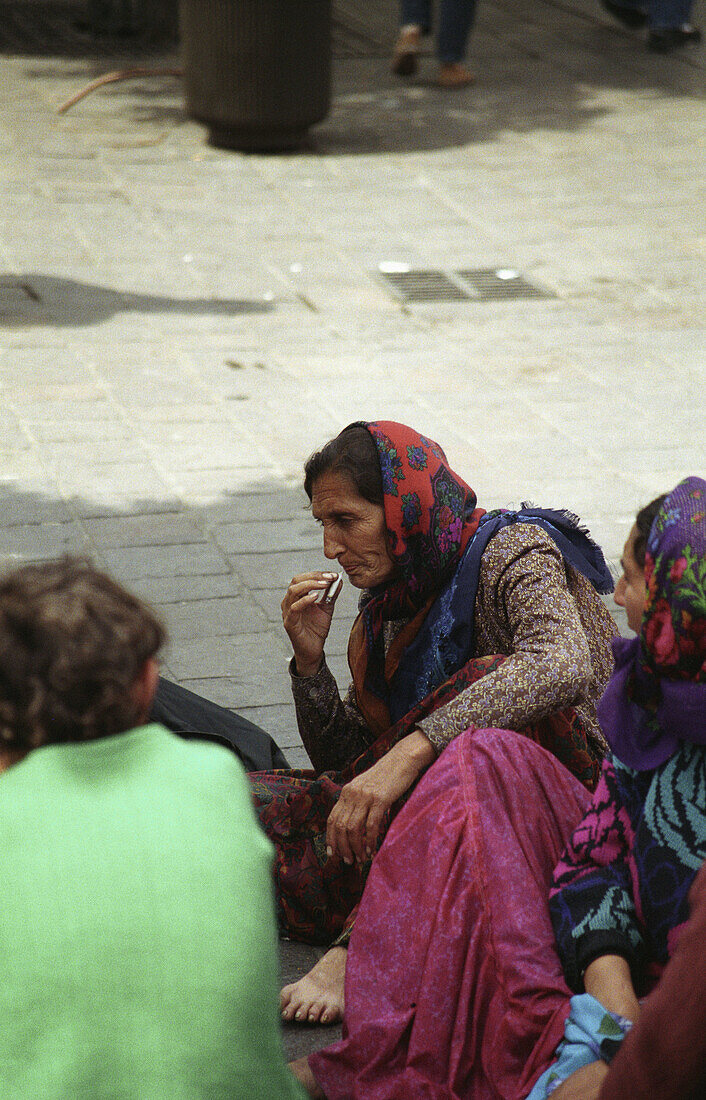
(416, 752)
(664, 1056)
(608, 979)
(354, 824)
(497, 700)
(332, 729)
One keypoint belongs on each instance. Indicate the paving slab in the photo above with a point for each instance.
(212, 618)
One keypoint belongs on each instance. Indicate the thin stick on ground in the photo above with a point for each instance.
(113, 78)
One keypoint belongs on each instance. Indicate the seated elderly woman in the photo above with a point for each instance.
(467, 618)
(454, 985)
(137, 926)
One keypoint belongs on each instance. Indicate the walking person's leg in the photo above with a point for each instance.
(456, 18)
(668, 21)
(669, 25)
(415, 21)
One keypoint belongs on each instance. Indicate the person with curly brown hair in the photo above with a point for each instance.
(137, 927)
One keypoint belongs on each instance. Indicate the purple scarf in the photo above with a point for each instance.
(657, 696)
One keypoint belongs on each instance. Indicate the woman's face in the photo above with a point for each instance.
(631, 590)
(354, 530)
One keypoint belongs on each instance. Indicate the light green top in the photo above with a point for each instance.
(137, 932)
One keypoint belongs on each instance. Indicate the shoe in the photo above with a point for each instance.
(629, 17)
(454, 75)
(404, 59)
(667, 39)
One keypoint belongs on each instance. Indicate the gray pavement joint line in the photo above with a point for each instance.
(499, 234)
(119, 410)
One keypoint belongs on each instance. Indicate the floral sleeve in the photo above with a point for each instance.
(591, 901)
(333, 729)
(548, 667)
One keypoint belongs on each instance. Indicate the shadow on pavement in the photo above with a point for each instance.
(214, 566)
(34, 299)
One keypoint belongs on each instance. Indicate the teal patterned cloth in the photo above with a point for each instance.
(590, 1033)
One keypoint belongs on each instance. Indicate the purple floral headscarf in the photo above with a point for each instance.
(657, 695)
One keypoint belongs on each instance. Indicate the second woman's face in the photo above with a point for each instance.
(354, 531)
(631, 590)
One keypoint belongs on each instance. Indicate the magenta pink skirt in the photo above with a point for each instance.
(454, 990)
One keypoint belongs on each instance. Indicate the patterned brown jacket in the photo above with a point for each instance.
(543, 615)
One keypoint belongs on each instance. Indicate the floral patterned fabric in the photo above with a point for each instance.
(541, 614)
(439, 540)
(555, 632)
(657, 698)
(673, 636)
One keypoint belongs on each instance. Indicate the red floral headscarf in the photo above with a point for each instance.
(430, 515)
(430, 511)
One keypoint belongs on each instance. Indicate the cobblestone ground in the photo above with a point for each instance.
(181, 325)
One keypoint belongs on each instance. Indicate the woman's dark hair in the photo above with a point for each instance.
(643, 521)
(352, 453)
(72, 645)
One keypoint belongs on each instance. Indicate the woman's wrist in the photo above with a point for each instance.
(306, 669)
(417, 750)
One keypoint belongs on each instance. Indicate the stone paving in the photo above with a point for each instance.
(180, 325)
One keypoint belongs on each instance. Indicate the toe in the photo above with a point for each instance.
(331, 1014)
(314, 1015)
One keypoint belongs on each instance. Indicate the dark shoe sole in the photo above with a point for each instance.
(404, 64)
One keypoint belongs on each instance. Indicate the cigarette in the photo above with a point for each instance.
(327, 594)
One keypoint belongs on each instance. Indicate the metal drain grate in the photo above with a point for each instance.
(424, 286)
(494, 284)
(480, 284)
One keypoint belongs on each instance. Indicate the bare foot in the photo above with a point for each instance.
(305, 1077)
(455, 75)
(317, 998)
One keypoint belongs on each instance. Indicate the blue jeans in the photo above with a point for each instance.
(455, 21)
(661, 13)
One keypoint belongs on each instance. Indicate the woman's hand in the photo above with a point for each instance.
(354, 823)
(307, 623)
(584, 1084)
